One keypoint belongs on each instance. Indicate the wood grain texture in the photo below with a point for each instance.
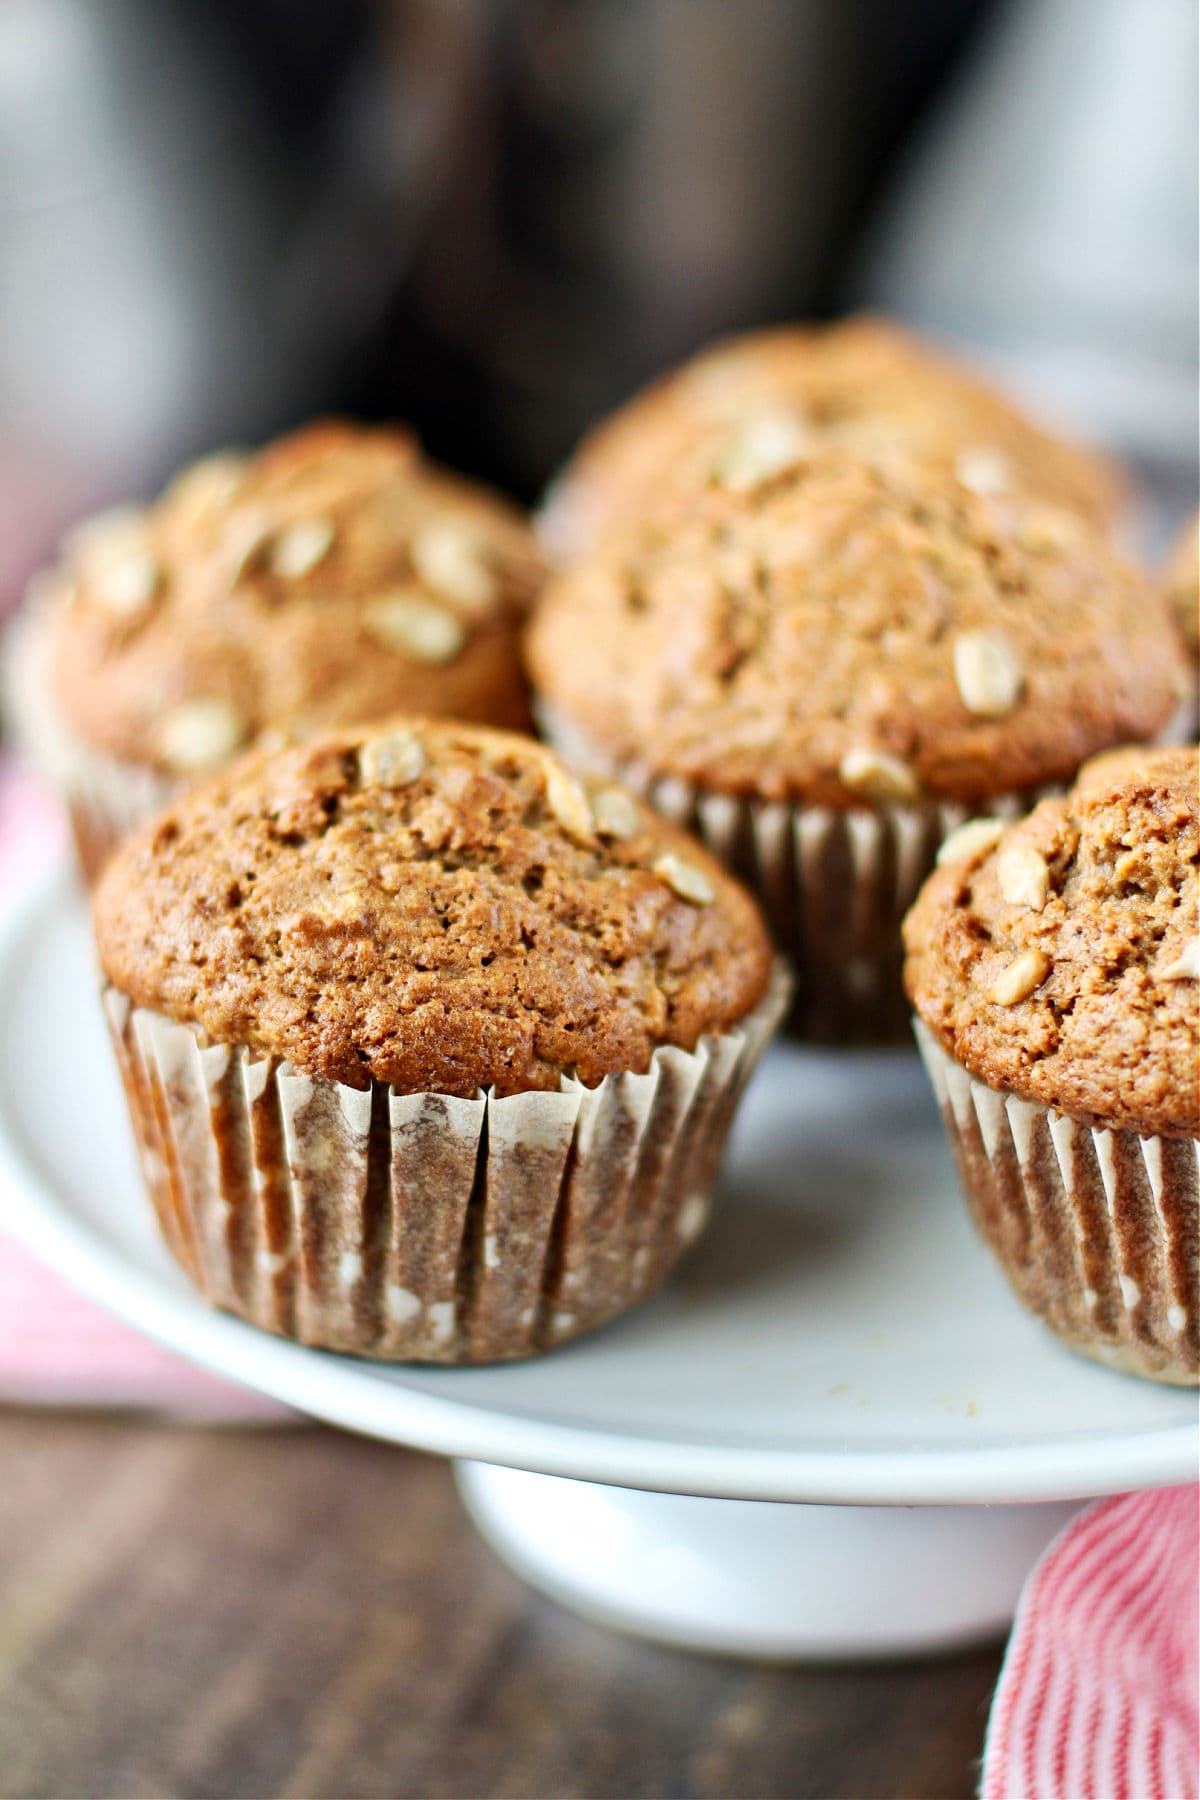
(297, 1614)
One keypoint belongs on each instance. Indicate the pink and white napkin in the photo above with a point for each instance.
(1097, 1699)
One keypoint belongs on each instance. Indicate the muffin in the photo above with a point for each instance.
(430, 1047)
(750, 403)
(825, 672)
(1053, 968)
(333, 577)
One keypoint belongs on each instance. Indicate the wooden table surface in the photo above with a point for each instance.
(296, 1612)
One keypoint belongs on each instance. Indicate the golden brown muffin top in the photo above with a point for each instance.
(1183, 585)
(437, 906)
(864, 383)
(1058, 959)
(844, 634)
(333, 576)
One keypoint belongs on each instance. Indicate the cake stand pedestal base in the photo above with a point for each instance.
(761, 1578)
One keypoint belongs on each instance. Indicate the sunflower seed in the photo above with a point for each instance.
(763, 448)
(1019, 979)
(200, 734)
(208, 484)
(301, 547)
(983, 471)
(391, 760)
(876, 775)
(107, 535)
(1023, 876)
(615, 813)
(127, 586)
(970, 839)
(987, 673)
(415, 627)
(451, 558)
(685, 879)
(568, 802)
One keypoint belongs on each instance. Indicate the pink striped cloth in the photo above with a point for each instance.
(1097, 1697)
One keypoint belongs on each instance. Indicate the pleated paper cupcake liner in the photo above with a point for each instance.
(1185, 726)
(1096, 1230)
(105, 799)
(421, 1227)
(834, 883)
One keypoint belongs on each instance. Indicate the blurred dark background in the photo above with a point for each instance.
(496, 217)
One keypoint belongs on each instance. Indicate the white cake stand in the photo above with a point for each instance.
(839, 1342)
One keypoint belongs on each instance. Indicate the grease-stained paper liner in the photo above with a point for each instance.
(1185, 726)
(1096, 1230)
(834, 883)
(420, 1227)
(105, 799)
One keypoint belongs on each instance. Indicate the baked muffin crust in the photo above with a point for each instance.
(1060, 961)
(333, 576)
(843, 632)
(437, 906)
(863, 383)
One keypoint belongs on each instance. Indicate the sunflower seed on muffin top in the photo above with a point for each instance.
(846, 633)
(334, 575)
(1087, 1002)
(426, 904)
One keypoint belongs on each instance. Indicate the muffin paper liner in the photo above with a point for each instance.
(1095, 1229)
(421, 1227)
(1185, 727)
(105, 798)
(834, 883)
